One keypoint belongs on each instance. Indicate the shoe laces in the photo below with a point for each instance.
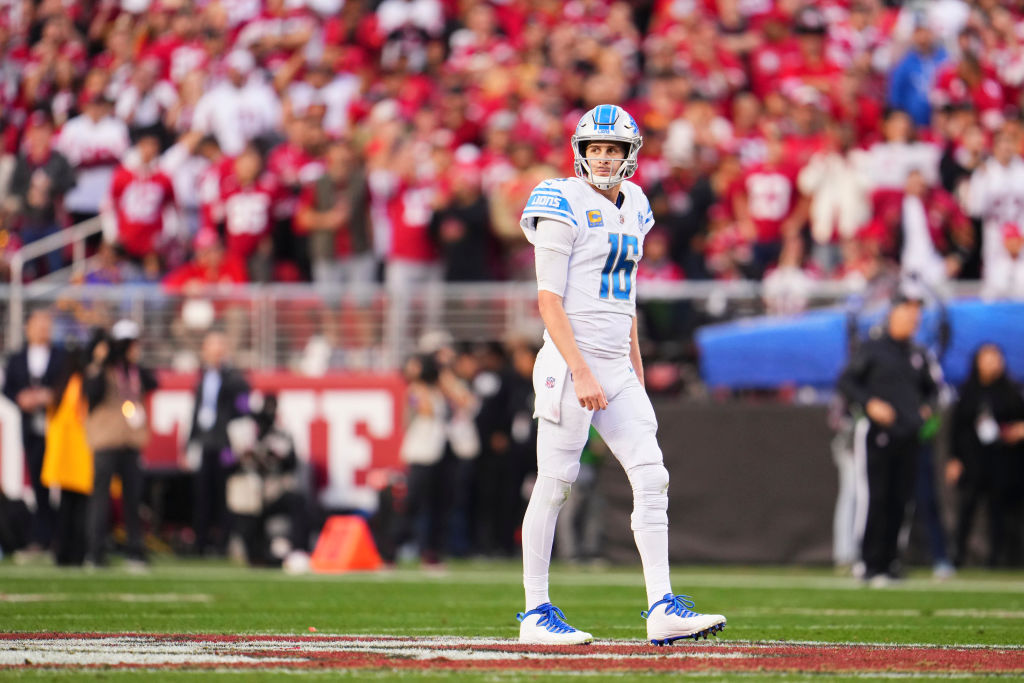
(551, 618)
(679, 605)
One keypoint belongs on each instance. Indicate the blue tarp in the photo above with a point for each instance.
(811, 349)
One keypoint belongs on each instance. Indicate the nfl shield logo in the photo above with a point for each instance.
(622, 219)
(550, 382)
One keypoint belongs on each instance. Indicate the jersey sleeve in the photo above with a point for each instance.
(647, 221)
(547, 201)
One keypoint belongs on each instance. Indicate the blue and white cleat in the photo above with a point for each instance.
(545, 625)
(677, 621)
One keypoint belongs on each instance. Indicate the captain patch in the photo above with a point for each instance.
(595, 219)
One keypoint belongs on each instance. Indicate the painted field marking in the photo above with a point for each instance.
(107, 597)
(158, 651)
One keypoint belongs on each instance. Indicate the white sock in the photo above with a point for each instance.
(653, 547)
(549, 494)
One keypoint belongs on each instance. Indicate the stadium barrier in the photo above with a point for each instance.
(345, 426)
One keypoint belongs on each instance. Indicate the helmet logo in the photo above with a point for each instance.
(606, 123)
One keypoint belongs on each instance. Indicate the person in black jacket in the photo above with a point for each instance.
(221, 395)
(889, 380)
(30, 379)
(988, 455)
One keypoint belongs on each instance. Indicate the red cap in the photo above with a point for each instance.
(206, 238)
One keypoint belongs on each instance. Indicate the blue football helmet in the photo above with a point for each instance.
(606, 122)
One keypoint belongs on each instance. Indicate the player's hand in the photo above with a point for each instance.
(881, 412)
(954, 470)
(588, 390)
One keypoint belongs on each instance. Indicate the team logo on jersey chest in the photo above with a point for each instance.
(595, 219)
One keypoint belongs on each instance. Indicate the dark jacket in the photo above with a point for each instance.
(232, 402)
(995, 464)
(16, 379)
(52, 177)
(897, 372)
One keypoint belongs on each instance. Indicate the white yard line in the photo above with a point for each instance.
(107, 597)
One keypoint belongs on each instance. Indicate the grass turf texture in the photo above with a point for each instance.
(480, 599)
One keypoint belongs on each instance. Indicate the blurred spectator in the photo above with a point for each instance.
(662, 320)
(965, 81)
(911, 80)
(142, 210)
(423, 451)
(838, 189)
(190, 163)
(890, 160)
(294, 163)
(935, 233)
(68, 463)
(812, 66)
(242, 107)
(996, 196)
(456, 379)
(210, 266)
(334, 212)
(522, 428)
(1004, 279)
(461, 227)
(221, 395)
(776, 50)
(247, 194)
(965, 151)
(118, 429)
(145, 103)
(987, 457)
(322, 85)
(41, 179)
(93, 143)
(111, 268)
(31, 378)
(497, 512)
(767, 206)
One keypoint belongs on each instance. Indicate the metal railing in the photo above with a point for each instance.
(75, 236)
(312, 328)
(309, 329)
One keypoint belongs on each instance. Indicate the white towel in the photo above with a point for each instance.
(550, 375)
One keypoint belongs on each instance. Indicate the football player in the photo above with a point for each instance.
(588, 235)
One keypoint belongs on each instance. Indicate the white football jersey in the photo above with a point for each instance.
(600, 290)
(94, 149)
(996, 195)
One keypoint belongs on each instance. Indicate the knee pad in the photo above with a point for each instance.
(550, 492)
(562, 464)
(650, 497)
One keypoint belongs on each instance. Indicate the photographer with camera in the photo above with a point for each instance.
(116, 387)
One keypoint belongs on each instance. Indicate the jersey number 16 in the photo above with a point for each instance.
(619, 269)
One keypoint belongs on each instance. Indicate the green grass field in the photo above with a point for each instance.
(481, 598)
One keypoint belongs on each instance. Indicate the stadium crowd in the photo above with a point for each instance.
(238, 140)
